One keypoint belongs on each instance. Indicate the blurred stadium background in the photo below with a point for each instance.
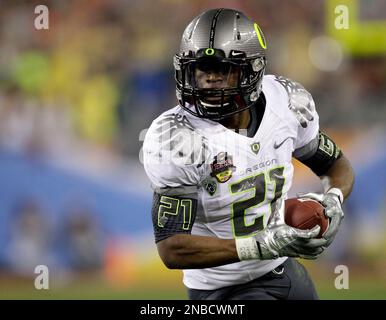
(75, 99)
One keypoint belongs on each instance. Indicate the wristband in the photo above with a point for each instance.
(247, 248)
(338, 193)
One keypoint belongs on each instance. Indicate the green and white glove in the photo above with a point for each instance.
(332, 202)
(277, 240)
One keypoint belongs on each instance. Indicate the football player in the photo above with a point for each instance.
(220, 165)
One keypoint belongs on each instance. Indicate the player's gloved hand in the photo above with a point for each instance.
(332, 201)
(277, 240)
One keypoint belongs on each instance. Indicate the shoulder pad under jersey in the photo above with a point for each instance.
(300, 101)
(179, 140)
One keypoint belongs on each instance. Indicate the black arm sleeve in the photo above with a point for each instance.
(321, 159)
(173, 214)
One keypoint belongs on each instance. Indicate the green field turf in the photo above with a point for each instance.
(153, 281)
(100, 290)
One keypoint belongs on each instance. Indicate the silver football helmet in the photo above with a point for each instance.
(228, 44)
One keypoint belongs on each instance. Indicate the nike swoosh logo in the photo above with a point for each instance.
(278, 145)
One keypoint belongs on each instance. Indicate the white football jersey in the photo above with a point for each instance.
(179, 152)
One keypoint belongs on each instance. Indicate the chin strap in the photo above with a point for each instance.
(210, 105)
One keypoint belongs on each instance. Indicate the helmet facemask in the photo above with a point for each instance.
(213, 86)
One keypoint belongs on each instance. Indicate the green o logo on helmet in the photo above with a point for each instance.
(260, 36)
(209, 52)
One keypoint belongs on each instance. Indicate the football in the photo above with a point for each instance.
(305, 214)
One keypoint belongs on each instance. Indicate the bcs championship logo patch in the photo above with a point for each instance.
(222, 167)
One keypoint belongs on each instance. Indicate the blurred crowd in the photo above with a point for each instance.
(103, 70)
(76, 245)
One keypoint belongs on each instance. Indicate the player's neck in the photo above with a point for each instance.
(249, 119)
(238, 121)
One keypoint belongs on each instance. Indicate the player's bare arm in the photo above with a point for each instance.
(179, 249)
(186, 251)
(337, 176)
(340, 175)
